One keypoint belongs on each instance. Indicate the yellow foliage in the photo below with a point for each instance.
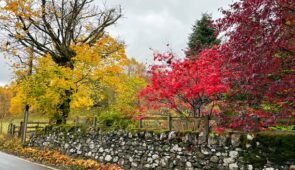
(52, 157)
(5, 96)
(16, 104)
(96, 69)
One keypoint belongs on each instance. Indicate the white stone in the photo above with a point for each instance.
(149, 160)
(91, 146)
(218, 154)
(67, 146)
(163, 162)
(134, 164)
(89, 153)
(257, 143)
(171, 135)
(250, 167)
(250, 136)
(155, 156)
(270, 168)
(108, 158)
(101, 158)
(176, 148)
(228, 161)
(233, 166)
(204, 151)
(116, 159)
(101, 150)
(188, 164)
(233, 154)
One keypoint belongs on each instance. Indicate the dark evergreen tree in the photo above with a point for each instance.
(203, 35)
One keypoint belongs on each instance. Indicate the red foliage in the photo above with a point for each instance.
(219, 130)
(261, 49)
(185, 85)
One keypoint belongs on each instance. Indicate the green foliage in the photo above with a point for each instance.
(277, 146)
(203, 35)
(283, 128)
(112, 120)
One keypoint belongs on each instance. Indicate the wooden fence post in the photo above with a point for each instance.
(1, 126)
(36, 127)
(94, 121)
(9, 129)
(25, 124)
(256, 122)
(20, 130)
(169, 119)
(13, 129)
(140, 123)
(76, 120)
(206, 127)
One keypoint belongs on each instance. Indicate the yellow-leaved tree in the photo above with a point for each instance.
(5, 97)
(95, 67)
(56, 30)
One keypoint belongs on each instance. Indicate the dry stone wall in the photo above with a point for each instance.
(170, 150)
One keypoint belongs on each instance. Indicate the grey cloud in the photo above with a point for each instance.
(152, 24)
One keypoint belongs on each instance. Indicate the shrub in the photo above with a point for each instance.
(112, 120)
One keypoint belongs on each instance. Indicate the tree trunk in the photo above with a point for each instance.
(64, 108)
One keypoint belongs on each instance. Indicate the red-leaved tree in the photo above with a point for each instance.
(260, 47)
(185, 85)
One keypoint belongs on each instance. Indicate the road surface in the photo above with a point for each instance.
(10, 162)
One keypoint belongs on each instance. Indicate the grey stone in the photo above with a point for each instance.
(163, 136)
(214, 159)
(188, 164)
(233, 154)
(233, 166)
(205, 151)
(250, 136)
(155, 156)
(227, 161)
(250, 167)
(134, 164)
(66, 146)
(108, 158)
(172, 135)
(236, 140)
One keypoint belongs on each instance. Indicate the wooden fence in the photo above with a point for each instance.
(200, 123)
(168, 123)
(90, 121)
(32, 127)
(175, 123)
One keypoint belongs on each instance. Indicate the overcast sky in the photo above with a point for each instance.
(151, 24)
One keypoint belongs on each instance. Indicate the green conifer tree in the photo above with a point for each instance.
(202, 36)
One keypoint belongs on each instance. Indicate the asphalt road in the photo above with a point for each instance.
(10, 162)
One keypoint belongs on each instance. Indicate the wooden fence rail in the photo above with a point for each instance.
(32, 127)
